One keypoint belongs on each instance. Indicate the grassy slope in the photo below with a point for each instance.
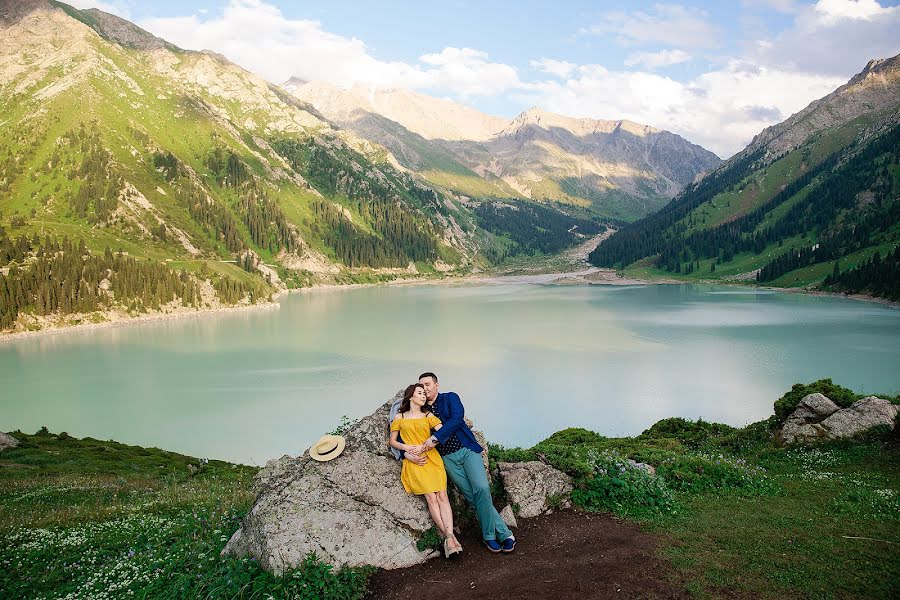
(752, 192)
(101, 519)
(743, 518)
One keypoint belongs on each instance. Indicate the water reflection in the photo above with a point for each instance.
(527, 357)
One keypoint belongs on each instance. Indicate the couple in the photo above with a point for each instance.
(451, 450)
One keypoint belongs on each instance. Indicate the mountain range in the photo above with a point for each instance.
(620, 170)
(120, 151)
(807, 199)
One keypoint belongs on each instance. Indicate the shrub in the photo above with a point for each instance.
(787, 404)
(620, 487)
(691, 433)
(705, 472)
(429, 539)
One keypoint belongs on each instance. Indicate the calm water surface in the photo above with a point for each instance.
(527, 358)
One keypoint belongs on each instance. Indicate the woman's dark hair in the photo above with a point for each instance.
(407, 396)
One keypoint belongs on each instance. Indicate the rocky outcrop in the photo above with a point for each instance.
(350, 511)
(7, 441)
(862, 416)
(817, 418)
(509, 517)
(874, 92)
(536, 488)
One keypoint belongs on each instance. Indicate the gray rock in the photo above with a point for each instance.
(7, 441)
(639, 465)
(350, 511)
(860, 417)
(509, 517)
(814, 408)
(819, 419)
(535, 487)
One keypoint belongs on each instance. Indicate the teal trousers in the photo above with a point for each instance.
(466, 471)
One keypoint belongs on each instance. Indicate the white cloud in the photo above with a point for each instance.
(829, 12)
(656, 60)
(833, 37)
(721, 110)
(260, 38)
(669, 25)
(466, 72)
(557, 68)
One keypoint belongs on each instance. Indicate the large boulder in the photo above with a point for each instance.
(862, 416)
(350, 511)
(7, 441)
(535, 487)
(817, 418)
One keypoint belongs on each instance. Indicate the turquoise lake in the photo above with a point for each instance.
(528, 358)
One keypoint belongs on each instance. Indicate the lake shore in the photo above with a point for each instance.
(588, 275)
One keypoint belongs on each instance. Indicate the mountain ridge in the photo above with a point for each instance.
(806, 200)
(616, 168)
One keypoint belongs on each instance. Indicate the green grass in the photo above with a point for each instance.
(99, 519)
(738, 515)
(803, 543)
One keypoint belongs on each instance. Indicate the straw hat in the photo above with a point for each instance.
(328, 447)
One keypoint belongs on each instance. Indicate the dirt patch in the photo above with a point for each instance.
(570, 554)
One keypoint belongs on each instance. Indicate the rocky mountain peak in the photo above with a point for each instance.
(877, 67)
(580, 127)
(875, 90)
(124, 33)
(12, 11)
(293, 81)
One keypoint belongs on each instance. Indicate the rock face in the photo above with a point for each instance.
(350, 511)
(7, 441)
(509, 517)
(876, 86)
(860, 417)
(535, 487)
(817, 418)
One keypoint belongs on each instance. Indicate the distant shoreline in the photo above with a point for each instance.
(588, 276)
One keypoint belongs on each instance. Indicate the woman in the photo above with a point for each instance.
(414, 423)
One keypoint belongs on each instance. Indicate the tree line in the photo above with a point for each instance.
(648, 236)
(531, 228)
(400, 241)
(876, 276)
(401, 235)
(62, 277)
(827, 206)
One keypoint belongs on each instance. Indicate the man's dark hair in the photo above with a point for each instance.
(428, 374)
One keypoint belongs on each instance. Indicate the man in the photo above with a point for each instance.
(462, 459)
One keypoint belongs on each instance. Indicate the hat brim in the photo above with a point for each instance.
(325, 457)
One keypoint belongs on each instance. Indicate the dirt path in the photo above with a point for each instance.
(565, 555)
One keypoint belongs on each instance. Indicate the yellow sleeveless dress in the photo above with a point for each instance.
(430, 477)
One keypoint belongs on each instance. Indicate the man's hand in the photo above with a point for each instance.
(415, 458)
(430, 443)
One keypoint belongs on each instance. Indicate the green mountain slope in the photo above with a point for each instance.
(116, 144)
(821, 187)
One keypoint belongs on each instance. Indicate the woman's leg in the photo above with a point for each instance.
(446, 514)
(434, 508)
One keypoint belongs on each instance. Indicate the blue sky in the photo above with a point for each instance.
(714, 72)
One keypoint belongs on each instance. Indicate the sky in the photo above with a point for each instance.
(716, 73)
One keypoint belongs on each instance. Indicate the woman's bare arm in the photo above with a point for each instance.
(398, 445)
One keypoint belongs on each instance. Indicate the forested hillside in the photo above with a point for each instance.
(224, 189)
(786, 215)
